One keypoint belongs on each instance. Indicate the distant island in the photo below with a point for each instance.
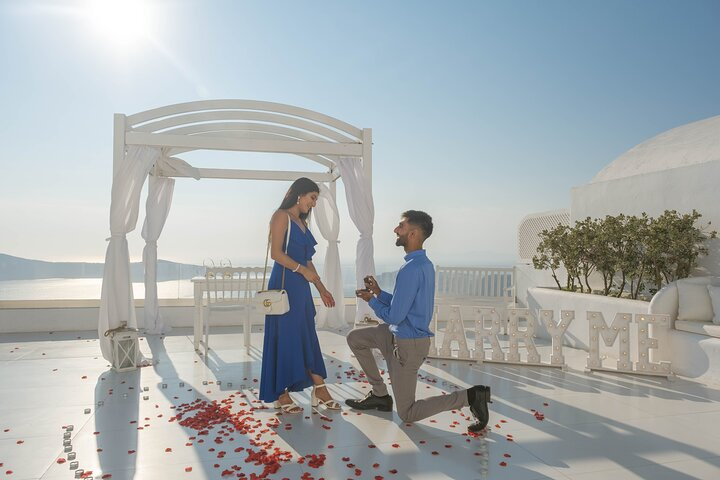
(16, 268)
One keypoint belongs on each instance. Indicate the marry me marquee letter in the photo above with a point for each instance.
(498, 319)
(618, 331)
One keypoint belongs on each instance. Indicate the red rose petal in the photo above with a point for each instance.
(503, 464)
(507, 455)
(59, 460)
(393, 471)
(188, 469)
(168, 450)
(107, 475)
(130, 452)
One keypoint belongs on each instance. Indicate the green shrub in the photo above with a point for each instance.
(631, 253)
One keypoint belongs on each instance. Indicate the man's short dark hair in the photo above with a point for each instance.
(421, 220)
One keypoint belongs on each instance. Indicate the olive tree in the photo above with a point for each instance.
(627, 251)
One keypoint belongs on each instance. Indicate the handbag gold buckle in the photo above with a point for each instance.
(267, 303)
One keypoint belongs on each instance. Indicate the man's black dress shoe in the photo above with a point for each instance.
(478, 398)
(372, 402)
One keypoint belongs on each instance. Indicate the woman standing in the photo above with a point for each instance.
(292, 360)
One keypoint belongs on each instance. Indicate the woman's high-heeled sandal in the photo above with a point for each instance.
(329, 404)
(291, 407)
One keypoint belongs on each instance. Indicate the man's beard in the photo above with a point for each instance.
(400, 242)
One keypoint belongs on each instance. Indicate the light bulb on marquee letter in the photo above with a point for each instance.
(619, 327)
(557, 332)
(646, 342)
(482, 333)
(455, 332)
(526, 335)
(434, 348)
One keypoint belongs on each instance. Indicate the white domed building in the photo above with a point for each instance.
(676, 170)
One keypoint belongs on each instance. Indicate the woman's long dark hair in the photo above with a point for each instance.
(299, 187)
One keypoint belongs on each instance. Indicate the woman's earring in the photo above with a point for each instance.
(298, 201)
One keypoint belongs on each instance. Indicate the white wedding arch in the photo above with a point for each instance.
(149, 144)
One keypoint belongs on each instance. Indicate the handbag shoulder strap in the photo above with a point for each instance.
(267, 254)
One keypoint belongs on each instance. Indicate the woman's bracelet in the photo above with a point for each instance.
(297, 268)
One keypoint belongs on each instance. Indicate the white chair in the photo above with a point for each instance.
(254, 280)
(230, 289)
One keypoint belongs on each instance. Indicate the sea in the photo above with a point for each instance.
(90, 288)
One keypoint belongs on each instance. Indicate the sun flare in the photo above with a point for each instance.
(123, 23)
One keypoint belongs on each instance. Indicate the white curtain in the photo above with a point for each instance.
(362, 213)
(327, 219)
(116, 300)
(160, 193)
(174, 166)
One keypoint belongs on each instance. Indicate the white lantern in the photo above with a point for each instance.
(124, 343)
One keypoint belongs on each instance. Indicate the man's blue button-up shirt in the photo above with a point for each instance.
(409, 309)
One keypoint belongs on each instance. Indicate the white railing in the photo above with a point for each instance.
(474, 284)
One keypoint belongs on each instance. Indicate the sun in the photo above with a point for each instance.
(122, 23)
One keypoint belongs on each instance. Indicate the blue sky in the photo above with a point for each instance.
(482, 111)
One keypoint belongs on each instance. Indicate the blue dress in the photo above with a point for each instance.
(291, 349)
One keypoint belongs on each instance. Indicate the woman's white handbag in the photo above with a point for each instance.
(274, 302)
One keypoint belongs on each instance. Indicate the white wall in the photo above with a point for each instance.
(526, 277)
(682, 189)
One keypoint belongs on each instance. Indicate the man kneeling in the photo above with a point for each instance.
(404, 338)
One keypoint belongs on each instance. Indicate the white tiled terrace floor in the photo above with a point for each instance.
(599, 426)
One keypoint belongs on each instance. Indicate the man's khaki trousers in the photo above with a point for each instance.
(404, 358)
